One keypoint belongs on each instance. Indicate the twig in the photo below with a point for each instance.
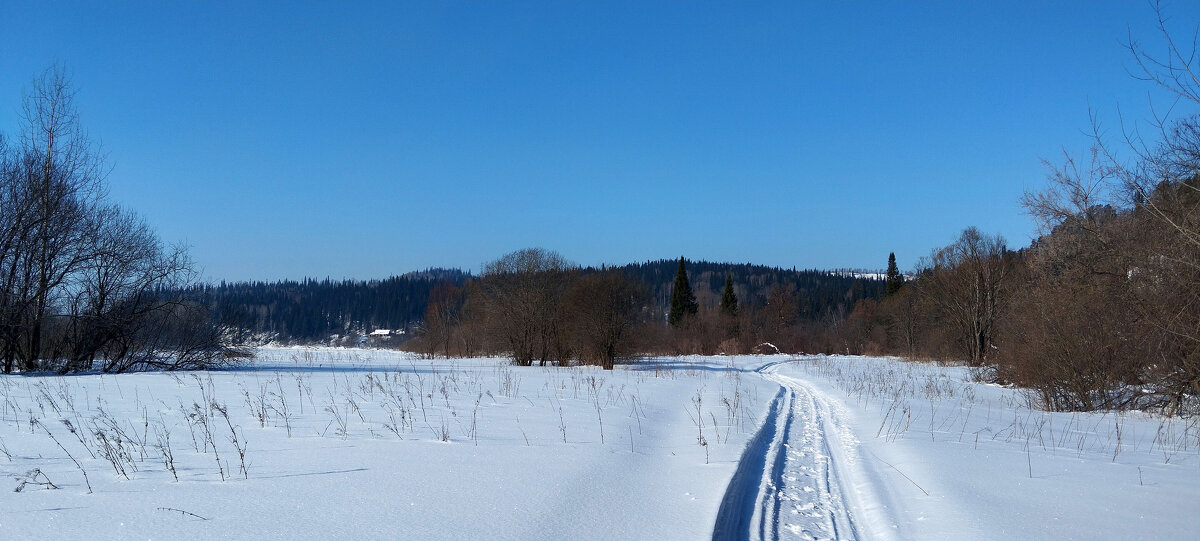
(31, 478)
(900, 472)
(69, 455)
(188, 513)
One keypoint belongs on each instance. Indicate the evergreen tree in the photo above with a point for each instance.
(894, 279)
(683, 301)
(729, 300)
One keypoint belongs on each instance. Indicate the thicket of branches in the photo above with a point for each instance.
(535, 306)
(84, 284)
(1103, 310)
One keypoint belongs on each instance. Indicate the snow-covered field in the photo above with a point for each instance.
(925, 453)
(333, 443)
(358, 444)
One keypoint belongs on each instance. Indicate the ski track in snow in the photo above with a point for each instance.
(790, 481)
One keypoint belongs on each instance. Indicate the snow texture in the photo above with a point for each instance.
(345, 443)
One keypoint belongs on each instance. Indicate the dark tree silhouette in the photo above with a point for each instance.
(894, 279)
(683, 301)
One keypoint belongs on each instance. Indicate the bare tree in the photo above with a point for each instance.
(902, 316)
(1069, 335)
(80, 278)
(778, 313)
(522, 291)
(63, 171)
(15, 218)
(132, 283)
(964, 282)
(1164, 186)
(442, 316)
(1157, 183)
(1110, 317)
(1112, 310)
(599, 310)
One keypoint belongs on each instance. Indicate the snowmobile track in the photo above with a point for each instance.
(787, 485)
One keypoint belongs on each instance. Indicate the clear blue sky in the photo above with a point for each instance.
(361, 140)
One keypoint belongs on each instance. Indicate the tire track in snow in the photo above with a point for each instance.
(787, 484)
(740, 501)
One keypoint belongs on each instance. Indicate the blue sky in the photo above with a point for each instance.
(361, 140)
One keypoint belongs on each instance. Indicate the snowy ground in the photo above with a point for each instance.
(917, 451)
(330, 443)
(345, 444)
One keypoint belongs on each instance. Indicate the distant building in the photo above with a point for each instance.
(384, 335)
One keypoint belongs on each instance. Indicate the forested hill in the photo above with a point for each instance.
(817, 293)
(313, 310)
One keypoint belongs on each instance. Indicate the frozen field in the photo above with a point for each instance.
(331, 443)
(925, 453)
(346, 444)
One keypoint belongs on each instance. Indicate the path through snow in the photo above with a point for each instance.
(795, 480)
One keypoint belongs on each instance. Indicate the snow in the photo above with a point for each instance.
(512, 476)
(862, 274)
(941, 457)
(348, 443)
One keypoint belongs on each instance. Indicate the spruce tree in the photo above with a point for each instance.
(729, 301)
(683, 301)
(894, 279)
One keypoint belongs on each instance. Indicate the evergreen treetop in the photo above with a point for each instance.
(683, 300)
(894, 279)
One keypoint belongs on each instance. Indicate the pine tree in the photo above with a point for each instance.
(894, 280)
(729, 300)
(683, 301)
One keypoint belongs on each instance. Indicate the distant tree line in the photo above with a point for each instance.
(309, 311)
(446, 310)
(84, 283)
(537, 307)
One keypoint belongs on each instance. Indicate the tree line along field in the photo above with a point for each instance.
(312, 311)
